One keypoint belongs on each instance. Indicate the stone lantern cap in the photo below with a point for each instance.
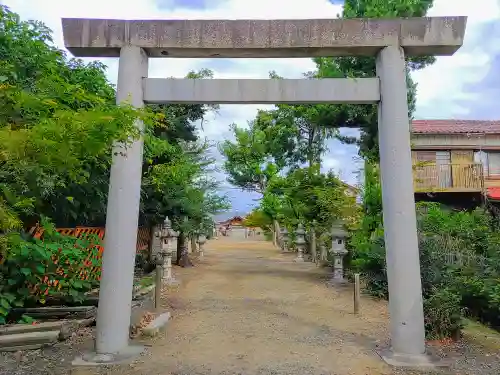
(300, 230)
(338, 230)
(300, 235)
(167, 227)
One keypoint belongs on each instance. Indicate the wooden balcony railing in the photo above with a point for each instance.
(448, 177)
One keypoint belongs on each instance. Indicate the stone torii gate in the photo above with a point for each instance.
(390, 40)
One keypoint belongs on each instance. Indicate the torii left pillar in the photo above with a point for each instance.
(115, 295)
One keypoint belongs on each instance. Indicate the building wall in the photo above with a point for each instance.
(459, 145)
(449, 141)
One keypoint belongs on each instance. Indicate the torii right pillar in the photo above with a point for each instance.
(403, 264)
(399, 216)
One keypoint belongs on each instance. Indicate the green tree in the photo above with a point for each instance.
(257, 218)
(310, 196)
(182, 189)
(52, 127)
(296, 134)
(248, 162)
(365, 116)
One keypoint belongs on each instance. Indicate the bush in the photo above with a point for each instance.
(442, 313)
(460, 266)
(34, 270)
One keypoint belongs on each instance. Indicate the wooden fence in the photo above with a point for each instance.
(143, 234)
(88, 271)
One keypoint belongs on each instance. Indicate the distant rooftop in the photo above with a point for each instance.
(455, 127)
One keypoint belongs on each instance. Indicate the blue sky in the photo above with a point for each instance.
(465, 86)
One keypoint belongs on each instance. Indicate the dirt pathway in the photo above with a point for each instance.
(247, 309)
(250, 310)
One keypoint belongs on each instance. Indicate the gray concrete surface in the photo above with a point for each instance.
(263, 38)
(122, 217)
(403, 264)
(251, 91)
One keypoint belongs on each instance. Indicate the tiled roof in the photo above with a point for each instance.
(455, 126)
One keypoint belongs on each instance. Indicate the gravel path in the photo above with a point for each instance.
(247, 309)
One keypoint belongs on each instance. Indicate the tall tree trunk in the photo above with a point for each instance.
(276, 230)
(182, 251)
(194, 248)
(310, 150)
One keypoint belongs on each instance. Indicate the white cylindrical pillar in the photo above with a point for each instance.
(115, 295)
(402, 254)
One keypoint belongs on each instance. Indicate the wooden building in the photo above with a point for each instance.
(236, 221)
(456, 161)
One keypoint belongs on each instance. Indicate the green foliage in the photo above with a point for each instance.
(34, 270)
(58, 122)
(460, 266)
(58, 125)
(296, 134)
(180, 188)
(267, 157)
(258, 219)
(248, 161)
(309, 196)
(365, 116)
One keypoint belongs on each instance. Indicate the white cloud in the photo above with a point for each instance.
(441, 90)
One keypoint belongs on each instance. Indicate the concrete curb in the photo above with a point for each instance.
(140, 292)
(27, 337)
(157, 325)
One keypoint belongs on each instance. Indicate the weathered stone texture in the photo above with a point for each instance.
(264, 38)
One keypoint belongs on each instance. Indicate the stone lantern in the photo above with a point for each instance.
(339, 235)
(202, 239)
(284, 239)
(166, 234)
(300, 242)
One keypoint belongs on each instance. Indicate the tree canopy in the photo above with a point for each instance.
(58, 122)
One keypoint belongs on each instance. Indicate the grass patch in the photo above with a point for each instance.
(480, 335)
(146, 281)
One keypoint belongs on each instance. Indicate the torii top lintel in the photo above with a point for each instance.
(264, 38)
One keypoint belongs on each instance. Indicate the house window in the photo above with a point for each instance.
(490, 162)
(426, 156)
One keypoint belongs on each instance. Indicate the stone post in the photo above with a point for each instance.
(339, 236)
(403, 264)
(284, 239)
(158, 280)
(300, 242)
(115, 294)
(323, 251)
(169, 234)
(312, 243)
(202, 239)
